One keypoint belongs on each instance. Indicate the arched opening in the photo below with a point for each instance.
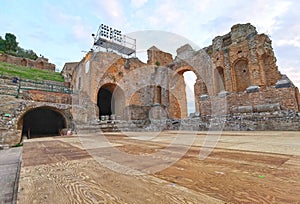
(190, 80)
(43, 121)
(110, 100)
(24, 62)
(40, 65)
(183, 93)
(242, 75)
(219, 79)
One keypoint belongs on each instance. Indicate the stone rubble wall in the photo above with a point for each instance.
(264, 121)
(287, 98)
(50, 97)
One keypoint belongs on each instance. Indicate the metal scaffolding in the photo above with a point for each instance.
(112, 39)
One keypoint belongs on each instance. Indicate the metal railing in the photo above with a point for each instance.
(8, 87)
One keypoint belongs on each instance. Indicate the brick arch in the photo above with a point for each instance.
(40, 116)
(40, 65)
(24, 62)
(241, 75)
(110, 100)
(178, 107)
(182, 69)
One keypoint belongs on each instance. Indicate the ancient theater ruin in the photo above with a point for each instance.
(237, 81)
(243, 74)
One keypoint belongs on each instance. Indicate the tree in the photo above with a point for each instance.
(2, 44)
(11, 44)
(31, 54)
(26, 53)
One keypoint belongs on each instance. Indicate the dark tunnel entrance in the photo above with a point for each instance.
(106, 100)
(41, 122)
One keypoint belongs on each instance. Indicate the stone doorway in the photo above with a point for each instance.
(41, 122)
(185, 93)
(110, 100)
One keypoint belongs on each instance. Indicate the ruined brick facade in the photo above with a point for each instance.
(242, 73)
(238, 87)
(39, 63)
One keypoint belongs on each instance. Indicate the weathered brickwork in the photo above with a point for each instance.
(286, 98)
(158, 57)
(51, 97)
(242, 78)
(238, 87)
(39, 63)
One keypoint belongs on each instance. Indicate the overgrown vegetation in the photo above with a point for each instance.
(29, 73)
(18, 145)
(9, 45)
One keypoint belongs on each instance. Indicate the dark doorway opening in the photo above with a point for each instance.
(106, 100)
(111, 102)
(42, 122)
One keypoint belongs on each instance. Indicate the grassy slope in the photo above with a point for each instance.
(29, 73)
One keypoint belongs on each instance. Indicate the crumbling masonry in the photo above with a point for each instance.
(243, 75)
(238, 87)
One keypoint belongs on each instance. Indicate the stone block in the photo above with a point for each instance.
(223, 94)
(284, 83)
(242, 109)
(204, 97)
(267, 107)
(185, 52)
(252, 89)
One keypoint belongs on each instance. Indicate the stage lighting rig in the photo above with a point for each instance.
(113, 39)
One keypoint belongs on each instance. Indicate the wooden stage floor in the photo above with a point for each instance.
(244, 167)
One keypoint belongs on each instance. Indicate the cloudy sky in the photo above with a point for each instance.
(61, 30)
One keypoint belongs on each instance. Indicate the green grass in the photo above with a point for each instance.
(29, 73)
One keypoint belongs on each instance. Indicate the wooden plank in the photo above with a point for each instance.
(10, 161)
(57, 171)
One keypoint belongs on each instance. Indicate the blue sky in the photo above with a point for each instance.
(61, 30)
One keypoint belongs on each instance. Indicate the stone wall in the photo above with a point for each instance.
(236, 74)
(286, 98)
(39, 63)
(43, 96)
(279, 120)
(158, 57)
(245, 58)
(67, 71)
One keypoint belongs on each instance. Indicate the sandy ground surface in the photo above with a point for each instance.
(243, 167)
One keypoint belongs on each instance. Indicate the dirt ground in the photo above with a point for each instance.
(244, 167)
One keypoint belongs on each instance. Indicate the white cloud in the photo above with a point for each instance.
(199, 21)
(288, 42)
(111, 11)
(82, 32)
(138, 3)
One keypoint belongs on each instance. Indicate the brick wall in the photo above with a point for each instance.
(287, 98)
(51, 97)
(40, 63)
